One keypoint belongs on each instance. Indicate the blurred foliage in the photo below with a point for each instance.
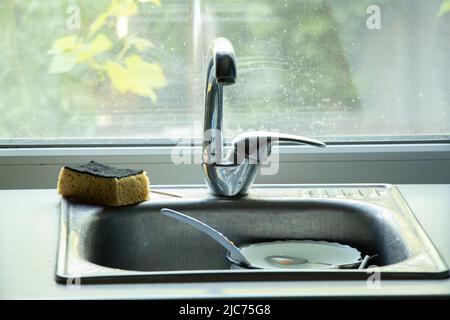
(127, 71)
(445, 8)
(303, 52)
(297, 60)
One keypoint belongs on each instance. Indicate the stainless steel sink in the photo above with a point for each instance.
(138, 244)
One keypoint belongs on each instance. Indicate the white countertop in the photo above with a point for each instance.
(29, 226)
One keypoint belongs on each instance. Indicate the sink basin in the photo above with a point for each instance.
(138, 244)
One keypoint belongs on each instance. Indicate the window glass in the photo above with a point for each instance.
(121, 71)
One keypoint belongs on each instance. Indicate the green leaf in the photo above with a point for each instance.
(117, 8)
(445, 8)
(149, 73)
(63, 63)
(137, 76)
(98, 23)
(118, 75)
(99, 45)
(63, 44)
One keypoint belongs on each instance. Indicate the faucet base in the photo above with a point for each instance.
(229, 180)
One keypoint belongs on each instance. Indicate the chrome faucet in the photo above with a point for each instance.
(232, 176)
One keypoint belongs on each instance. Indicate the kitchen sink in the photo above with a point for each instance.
(138, 244)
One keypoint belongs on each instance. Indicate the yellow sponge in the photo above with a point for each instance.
(101, 184)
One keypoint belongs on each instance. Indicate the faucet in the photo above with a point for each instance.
(232, 175)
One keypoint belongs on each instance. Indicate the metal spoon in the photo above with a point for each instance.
(210, 231)
(283, 261)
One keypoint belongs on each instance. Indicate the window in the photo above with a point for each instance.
(121, 71)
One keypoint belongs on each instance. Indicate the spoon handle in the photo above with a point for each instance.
(210, 231)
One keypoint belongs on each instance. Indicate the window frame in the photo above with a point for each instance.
(37, 167)
(30, 163)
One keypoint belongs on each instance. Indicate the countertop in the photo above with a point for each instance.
(29, 226)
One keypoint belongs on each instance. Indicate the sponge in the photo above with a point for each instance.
(101, 184)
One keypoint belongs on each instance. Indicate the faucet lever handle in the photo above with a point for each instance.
(257, 145)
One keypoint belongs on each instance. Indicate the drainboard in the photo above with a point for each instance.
(138, 244)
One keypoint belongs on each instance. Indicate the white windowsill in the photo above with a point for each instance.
(360, 163)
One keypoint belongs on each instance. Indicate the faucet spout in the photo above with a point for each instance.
(221, 72)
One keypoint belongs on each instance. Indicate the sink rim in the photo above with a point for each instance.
(93, 273)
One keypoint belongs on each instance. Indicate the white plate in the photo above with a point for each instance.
(299, 254)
